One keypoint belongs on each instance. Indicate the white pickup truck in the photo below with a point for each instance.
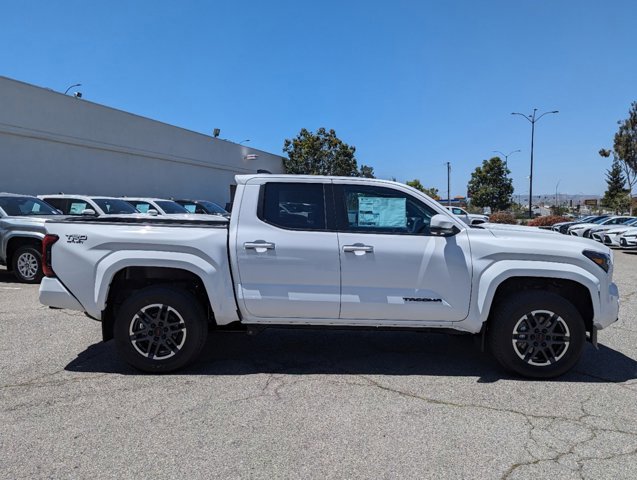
(330, 252)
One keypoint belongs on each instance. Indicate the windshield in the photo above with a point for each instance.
(599, 220)
(169, 206)
(113, 206)
(213, 208)
(19, 206)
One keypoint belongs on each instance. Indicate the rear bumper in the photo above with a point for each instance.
(609, 307)
(54, 294)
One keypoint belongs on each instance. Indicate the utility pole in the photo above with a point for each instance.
(448, 183)
(532, 119)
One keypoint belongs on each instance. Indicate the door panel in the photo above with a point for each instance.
(406, 277)
(288, 263)
(392, 267)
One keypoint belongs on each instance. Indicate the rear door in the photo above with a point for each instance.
(286, 252)
(392, 267)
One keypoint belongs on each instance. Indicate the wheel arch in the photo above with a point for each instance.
(19, 239)
(130, 279)
(572, 282)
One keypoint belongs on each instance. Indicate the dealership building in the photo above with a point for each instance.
(51, 143)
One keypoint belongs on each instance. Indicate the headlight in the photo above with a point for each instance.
(600, 259)
(617, 233)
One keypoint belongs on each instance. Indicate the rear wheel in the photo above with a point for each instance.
(536, 334)
(159, 329)
(27, 264)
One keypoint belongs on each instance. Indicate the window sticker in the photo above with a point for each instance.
(382, 212)
(77, 208)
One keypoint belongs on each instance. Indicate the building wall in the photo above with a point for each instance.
(50, 143)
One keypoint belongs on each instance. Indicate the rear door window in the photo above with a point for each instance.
(295, 206)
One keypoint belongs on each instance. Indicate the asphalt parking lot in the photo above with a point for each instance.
(299, 404)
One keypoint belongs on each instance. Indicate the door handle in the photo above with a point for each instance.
(258, 245)
(358, 247)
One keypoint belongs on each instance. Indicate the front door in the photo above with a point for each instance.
(392, 267)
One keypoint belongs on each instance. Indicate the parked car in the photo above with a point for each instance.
(597, 233)
(156, 206)
(70, 204)
(203, 206)
(563, 227)
(584, 229)
(22, 221)
(628, 239)
(612, 237)
(366, 253)
(466, 217)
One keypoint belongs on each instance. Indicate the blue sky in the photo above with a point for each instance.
(412, 84)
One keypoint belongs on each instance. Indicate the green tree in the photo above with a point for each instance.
(616, 195)
(320, 153)
(432, 192)
(366, 171)
(625, 150)
(490, 185)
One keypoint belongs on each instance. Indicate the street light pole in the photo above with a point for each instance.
(448, 183)
(506, 157)
(532, 119)
(76, 85)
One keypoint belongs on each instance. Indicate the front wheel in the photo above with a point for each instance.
(160, 329)
(536, 334)
(27, 264)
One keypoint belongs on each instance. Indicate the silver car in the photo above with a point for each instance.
(22, 221)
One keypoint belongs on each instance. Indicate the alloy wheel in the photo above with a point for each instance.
(157, 331)
(541, 338)
(27, 265)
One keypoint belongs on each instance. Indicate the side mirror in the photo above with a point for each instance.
(89, 212)
(442, 225)
(152, 212)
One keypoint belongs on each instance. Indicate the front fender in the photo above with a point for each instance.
(215, 279)
(493, 277)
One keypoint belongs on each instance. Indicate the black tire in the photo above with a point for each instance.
(528, 328)
(27, 264)
(168, 326)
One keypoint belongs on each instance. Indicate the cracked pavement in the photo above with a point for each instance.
(309, 403)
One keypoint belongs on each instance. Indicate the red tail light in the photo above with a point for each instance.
(47, 243)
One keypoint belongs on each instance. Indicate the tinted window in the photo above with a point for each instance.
(113, 206)
(370, 209)
(294, 205)
(58, 203)
(213, 208)
(17, 206)
(190, 207)
(141, 207)
(170, 207)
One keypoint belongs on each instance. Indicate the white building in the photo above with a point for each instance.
(50, 143)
